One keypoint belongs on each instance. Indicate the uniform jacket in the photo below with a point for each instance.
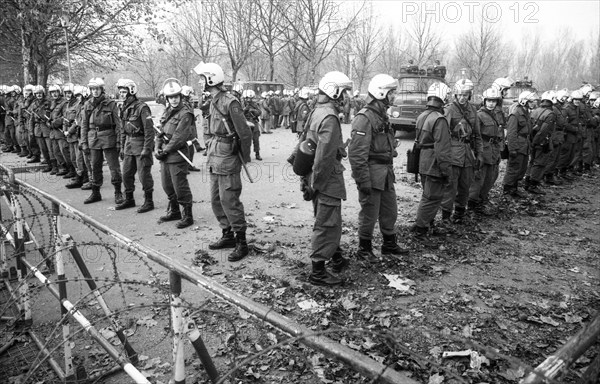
(327, 176)
(56, 118)
(40, 109)
(545, 119)
(138, 127)
(499, 115)
(22, 116)
(518, 129)
(465, 134)
(251, 110)
(9, 105)
(372, 148)
(434, 139)
(71, 123)
(492, 135)
(101, 125)
(265, 109)
(228, 133)
(573, 123)
(176, 124)
(286, 108)
(2, 108)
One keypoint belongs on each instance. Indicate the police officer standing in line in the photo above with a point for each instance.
(492, 136)
(435, 163)
(186, 93)
(252, 113)
(517, 138)
(177, 125)
(137, 145)
(572, 126)
(31, 149)
(467, 151)
(60, 147)
(101, 137)
(38, 125)
(228, 144)
(544, 121)
(71, 128)
(325, 183)
(371, 154)
(558, 138)
(300, 112)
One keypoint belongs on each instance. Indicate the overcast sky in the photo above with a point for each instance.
(516, 17)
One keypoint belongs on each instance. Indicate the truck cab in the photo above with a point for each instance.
(411, 96)
(512, 94)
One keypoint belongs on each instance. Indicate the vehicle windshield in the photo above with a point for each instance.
(513, 93)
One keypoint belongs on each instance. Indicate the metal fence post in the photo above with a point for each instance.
(177, 324)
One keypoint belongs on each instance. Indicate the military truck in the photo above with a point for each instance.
(262, 86)
(411, 96)
(512, 94)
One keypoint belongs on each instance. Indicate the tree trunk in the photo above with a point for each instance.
(272, 67)
(29, 75)
(42, 72)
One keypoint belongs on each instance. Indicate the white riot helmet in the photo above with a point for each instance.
(502, 83)
(16, 89)
(85, 92)
(96, 82)
(28, 89)
(577, 95)
(381, 84)
(54, 88)
(69, 87)
(527, 96)
(594, 95)
(39, 89)
(127, 84)
(237, 87)
(333, 84)
(303, 93)
(439, 90)
(562, 95)
(549, 96)
(78, 90)
(463, 86)
(596, 103)
(264, 95)
(2, 89)
(586, 89)
(187, 91)
(249, 94)
(172, 87)
(211, 74)
(492, 94)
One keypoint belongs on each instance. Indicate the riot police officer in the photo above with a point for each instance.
(252, 114)
(101, 138)
(137, 145)
(544, 121)
(177, 128)
(324, 185)
(228, 140)
(371, 154)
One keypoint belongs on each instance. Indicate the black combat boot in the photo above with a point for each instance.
(77, 183)
(321, 276)
(338, 261)
(34, 159)
(516, 192)
(459, 215)
(148, 203)
(63, 170)
(129, 202)
(241, 247)
(48, 167)
(173, 212)
(24, 152)
(118, 195)
(226, 241)
(507, 189)
(54, 165)
(390, 246)
(95, 196)
(258, 156)
(527, 183)
(71, 173)
(187, 218)
(365, 251)
(534, 188)
(420, 233)
(551, 180)
(16, 149)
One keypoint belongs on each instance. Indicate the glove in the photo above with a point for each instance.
(480, 160)
(307, 192)
(146, 152)
(365, 188)
(161, 155)
(512, 154)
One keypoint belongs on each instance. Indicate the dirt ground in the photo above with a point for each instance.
(512, 287)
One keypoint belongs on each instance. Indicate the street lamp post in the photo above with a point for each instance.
(64, 22)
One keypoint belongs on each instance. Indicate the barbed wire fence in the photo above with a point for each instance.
(71, 291)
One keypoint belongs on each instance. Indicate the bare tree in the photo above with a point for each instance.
(233, 22)
(270, 30)
(148, 65)
(293, 62)
(193, 29)
(366, 44)
(393, 56)
(425, 41)
(257, 67)
(317, 28)
(481, 51)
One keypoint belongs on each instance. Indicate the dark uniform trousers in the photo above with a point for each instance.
(379, 205)
(112, 158)
(174, 181)
(567, 151)
(483, 181)
(538, 163)
(327, 229)
(457, 191)
(516, 167)
(255, 137)
(433, 193)
(143, 167)
(225, 191)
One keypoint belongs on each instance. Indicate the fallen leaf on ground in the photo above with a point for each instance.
(436, 379)
(402, 285)
(310, 304)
